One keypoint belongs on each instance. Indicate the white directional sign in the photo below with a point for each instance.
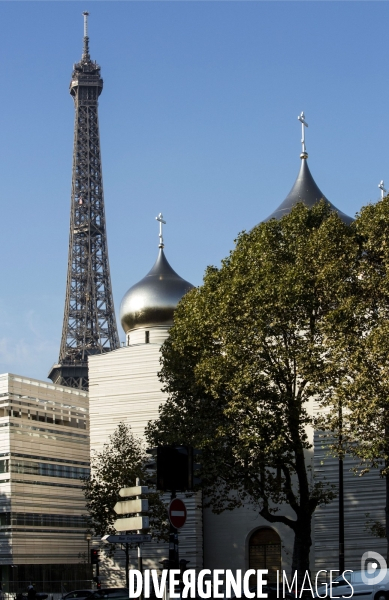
(131, 506)
(134, 491)
(134, 507)
(131, 523)
(129, 538)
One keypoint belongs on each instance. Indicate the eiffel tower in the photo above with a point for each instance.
(89, 325)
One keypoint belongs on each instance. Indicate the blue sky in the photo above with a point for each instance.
(198, 119)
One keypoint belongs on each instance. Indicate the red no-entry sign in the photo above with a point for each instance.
(177, 513)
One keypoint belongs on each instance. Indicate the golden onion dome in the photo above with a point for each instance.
(152, 301)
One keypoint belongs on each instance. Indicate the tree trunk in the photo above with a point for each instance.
(387, 509)
(301, 549)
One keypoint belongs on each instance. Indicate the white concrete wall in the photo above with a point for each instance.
(124, 387)
(362, 495)
(226, 538)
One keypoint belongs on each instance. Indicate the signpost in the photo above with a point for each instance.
(136, 506)
(177, 513)
(130, 538)
(135, 523)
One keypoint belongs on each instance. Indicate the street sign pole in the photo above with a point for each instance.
(134, 523)
(127, 560)
(173, 543)
(140, 565)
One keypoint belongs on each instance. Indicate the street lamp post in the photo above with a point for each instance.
(341, 492)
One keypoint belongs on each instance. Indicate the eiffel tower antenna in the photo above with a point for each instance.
(85, 54)
(89, 324)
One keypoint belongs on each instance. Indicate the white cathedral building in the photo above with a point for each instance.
(124, 386)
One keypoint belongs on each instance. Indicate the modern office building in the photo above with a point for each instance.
(44, 451)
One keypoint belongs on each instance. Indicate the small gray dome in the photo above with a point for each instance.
(153, 300)
(305, 190)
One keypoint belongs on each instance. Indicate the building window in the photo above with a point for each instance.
(42, 520)
(4, 466)
(147, 337)
(265, 552)
(46, 469)
(5, 518)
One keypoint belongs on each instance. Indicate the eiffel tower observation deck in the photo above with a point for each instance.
(89, 325)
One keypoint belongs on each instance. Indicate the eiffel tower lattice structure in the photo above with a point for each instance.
(89, 325)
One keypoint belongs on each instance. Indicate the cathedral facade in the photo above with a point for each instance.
(124, 386)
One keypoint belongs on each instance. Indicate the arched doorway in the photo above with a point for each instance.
(265, 552)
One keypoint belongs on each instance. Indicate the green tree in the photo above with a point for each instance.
(121, 462)
(245, 360)
(362, 352)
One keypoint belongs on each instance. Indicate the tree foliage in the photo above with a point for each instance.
(118, 465)
(245, 360)
(362, 352)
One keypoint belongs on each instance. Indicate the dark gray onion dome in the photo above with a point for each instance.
(305, 190)
(152, 301)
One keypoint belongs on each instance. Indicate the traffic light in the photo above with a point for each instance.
(97, 580)
(173, 468)
(94, 556)
(169, 469)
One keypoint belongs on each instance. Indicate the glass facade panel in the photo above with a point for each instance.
(46, 469)
(42, 520)
(4, 466)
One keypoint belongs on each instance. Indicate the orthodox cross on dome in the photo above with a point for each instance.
(161, 221)
(382, 188)
(304, 124)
